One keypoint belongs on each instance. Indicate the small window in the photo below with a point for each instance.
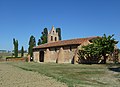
(53, 32)
(51, 38)
(55, 38)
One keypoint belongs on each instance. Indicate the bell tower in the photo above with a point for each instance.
(53, 35)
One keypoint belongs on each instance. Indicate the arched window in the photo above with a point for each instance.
(55, 38)
(51, 38)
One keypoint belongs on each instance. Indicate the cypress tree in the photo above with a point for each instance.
(22, 51)
(15, 42)
(43, 38)
(45, 31)
(32, 43)
(59, 33)
(39, 42)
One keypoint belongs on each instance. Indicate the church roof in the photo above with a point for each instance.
(77, 41)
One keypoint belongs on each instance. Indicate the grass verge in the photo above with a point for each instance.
(74, 75)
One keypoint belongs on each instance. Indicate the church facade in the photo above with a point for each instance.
(59, 51)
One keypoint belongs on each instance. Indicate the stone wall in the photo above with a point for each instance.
(57, 54)
(36, 56)
(61, 54)
(53, 54)
(16, 59)
(68, 54)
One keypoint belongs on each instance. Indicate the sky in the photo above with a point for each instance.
(20, 19)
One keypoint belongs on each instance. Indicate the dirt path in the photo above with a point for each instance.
(11, 76)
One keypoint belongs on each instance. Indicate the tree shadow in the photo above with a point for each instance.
(115, 69)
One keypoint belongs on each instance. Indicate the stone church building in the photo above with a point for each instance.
(59, 51)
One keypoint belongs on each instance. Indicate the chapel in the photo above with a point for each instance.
(59, 51)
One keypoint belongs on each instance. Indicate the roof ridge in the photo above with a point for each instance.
(65, 42)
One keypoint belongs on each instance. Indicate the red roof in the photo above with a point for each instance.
(77, 41)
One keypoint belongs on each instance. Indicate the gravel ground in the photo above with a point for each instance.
(11, 76)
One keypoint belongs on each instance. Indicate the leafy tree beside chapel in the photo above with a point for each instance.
(99, 50)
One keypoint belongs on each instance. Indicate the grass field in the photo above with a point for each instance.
(4, 55)
(76, 75)
(11, 76)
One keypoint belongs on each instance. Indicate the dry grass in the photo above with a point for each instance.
(11, 76)
(76, 75)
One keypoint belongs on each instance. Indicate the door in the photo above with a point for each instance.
(41, 56)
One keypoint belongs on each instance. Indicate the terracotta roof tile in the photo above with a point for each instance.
(65, 42)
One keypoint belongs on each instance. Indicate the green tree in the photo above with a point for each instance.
(15, 42)
(22, 51)
(43, 38)
(100, 48)
(45, 31)
(118, 50)
(32, 43)
(39, 42)
(59, 33)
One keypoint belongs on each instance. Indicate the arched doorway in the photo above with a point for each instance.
(41, 56)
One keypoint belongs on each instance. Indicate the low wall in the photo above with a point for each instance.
(2, 60)
(15, 59)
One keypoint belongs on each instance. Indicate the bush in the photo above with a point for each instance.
(0, 57)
